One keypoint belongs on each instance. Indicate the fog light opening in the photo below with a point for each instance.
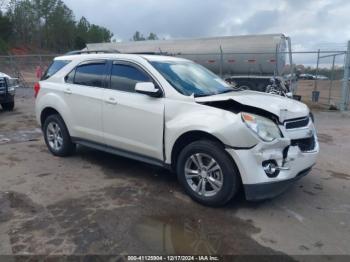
(271, 168)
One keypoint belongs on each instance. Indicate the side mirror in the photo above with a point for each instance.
(148, 88)
(289, 95)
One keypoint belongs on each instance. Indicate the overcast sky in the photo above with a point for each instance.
(312, 24)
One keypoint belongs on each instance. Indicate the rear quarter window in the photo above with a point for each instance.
(55, 66)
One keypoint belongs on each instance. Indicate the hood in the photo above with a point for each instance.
(4, 75)
(282, 107)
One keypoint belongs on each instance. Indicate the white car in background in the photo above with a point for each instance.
(174, 113)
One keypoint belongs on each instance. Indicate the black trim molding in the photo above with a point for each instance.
(120, 152)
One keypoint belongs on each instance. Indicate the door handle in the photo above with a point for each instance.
(68, 91)
(112, 101)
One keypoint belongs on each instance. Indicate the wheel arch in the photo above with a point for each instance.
(46, 112)
(187, 138)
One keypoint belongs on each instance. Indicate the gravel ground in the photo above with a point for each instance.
(97, 203)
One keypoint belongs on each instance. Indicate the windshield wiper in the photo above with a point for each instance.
(228, 91)
(203, 95)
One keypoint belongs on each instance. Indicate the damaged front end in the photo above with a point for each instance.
(269, 167)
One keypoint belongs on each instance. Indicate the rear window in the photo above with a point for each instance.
(56, 66)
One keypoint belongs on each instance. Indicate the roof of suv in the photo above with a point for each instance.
(117, 55)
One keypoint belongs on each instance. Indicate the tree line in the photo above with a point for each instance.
(46, 24)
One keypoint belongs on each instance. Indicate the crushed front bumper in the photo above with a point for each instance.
(293, 162)
(256, 192)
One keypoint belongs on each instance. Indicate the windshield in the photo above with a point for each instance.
(190, 78)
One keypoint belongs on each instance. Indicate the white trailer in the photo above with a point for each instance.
(249, 61)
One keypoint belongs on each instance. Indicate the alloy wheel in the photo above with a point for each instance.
(203, 174)
(54, 136)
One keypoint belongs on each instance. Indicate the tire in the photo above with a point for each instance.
(8, 106)
(227, 175)
(57, 137)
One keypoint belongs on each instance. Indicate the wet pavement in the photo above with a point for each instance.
(97, 203)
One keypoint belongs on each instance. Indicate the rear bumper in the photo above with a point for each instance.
(257, 192)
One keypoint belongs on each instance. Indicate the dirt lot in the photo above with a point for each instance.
(97, 203)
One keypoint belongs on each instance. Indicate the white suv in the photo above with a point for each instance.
(176, 114)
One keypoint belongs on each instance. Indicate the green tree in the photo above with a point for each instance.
(60, 22)
(98, 34)
(81, 33)
(6, 27)
(138, 37)
(51, 25)
(23, 17)
(152, 36)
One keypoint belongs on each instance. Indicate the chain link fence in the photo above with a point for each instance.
(316, 76)
(27, 68)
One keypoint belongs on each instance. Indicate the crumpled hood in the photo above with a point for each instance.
(283, 107)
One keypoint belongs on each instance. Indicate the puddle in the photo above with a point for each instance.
(124, 220)
(179, 236)
(339, 175)
(20, 136)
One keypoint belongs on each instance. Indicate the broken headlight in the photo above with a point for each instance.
(265, 128)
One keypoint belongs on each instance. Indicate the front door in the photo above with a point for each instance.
(131, 121)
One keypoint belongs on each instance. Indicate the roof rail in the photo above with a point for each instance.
(80, 52)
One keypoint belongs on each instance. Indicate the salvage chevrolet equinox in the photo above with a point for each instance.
(176, 114)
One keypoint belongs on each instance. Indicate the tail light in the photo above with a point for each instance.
(36, 89)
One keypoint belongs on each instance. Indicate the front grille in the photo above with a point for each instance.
(297, 123)
(2, 83)
(305, 144)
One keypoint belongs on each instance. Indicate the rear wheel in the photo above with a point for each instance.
(207, 173)
(8, 106)
(57, 137)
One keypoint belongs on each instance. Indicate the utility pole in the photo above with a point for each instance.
(316, 93)
(292, 66)
(221, 62)
(317, 69)
(345, 93)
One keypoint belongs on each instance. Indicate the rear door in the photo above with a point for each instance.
(83, 92)
(131, 121)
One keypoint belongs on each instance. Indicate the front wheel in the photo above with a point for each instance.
(207, 173)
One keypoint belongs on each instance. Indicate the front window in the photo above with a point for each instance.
(125, 77)
(189, 78)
